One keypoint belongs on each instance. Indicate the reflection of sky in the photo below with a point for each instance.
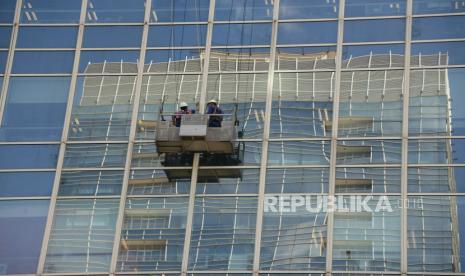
(457, 89)
(357, 51)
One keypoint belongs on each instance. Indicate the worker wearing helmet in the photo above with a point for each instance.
(183, 109)
(212, 108)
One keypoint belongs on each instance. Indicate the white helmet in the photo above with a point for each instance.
(183, 104)
(212, 101)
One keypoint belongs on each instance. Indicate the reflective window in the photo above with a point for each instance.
(307, 32)
(440, 27)
(23, 223)
(368, 152)
(28, 156)
(305, 58)
(3, 59)
(356, 8)
(436, 151)
(393, 30)
(47, 37)
(227, 181)
(368, 238)
(7, 11)
(50, 11)
(442, 53)
(166, 182)
(102, 108)
(35, 109)
(239, 59)
(103, 11)
(299, 153)
(368, 180)
(14, 184)
(152, 235)
(437, 6)
(435, 225)
(370, 103)
(179, 10)
(177, 35)
(230, 222)
(436, 179)
(82, 234)
(297, 180)
(304, 9)
(110, 37)
(145, 154)
(95, 155)
(120, 62)
(373, 56)
(241, 34)
(294, 240)
(163, 61)
(43, 62)
(5, 33)
(241, 10)
(302, 105)
(81, 183)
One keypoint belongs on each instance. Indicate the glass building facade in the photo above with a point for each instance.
(334, 98)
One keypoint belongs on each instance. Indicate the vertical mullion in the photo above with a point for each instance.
(405, 127)
(335, 120)
(132, 135)
(64, 138)
(266, 136)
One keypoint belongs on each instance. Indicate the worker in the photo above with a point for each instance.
(183, 109)
(212, 108)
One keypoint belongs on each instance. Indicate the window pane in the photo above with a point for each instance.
(103, 11)
(35, 109)
(393, 30)
(3, 58)
(162, 61)
(305, 58)
(152, 235)
(437, 6)
(368, 180)
(177, 35)
(241, 34)
(355, 8)
(14, 184)
(230, 222)
(23, 223)
(95, 155)
(50, 11)
(179, 10)
(5, 33)
(43, 62)
(373, 56)
(160, 182)
(47, 37)
(82, 234)
(227, 181)
(436, 179)
(112, 36)
(241, 10)
(307, 32)
(304, 9)
(7, 11)
(82, 183)
(102, 108)
(436, 151)
(239, 59)
(442, 53)
(368, 152)
(297, 180)
(299, 153)
(28, 156)
(120, 62)
(441, 27)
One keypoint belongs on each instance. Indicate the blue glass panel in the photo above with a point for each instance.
(436, 179)
(367, 180)
(437, 6)
(373, 56)
(177, 35)
(26, 184)
(303, 9)
(441, 27)
(50, 11)
(43, 62)
(149, 182)
(5, 33)
(393, 30)
(95, 155)
(28, 156)
(46, 37)
(115, 61)
(240, 10)
(157, 60)
(369, 152)
(112, 36)
(305, 58)
(179, 10)
(81, 183)
(227, 181)
(102, 11)
(299, 153)
(297, 180)
(241, 34)
(355, 8)
(436, 151)
(3, 58)
(7, 11)
(441, 53)
(307, 32)
(35, 109)
(21, 234)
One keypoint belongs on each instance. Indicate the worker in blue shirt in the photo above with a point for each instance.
(183, 109)
(212, 108)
